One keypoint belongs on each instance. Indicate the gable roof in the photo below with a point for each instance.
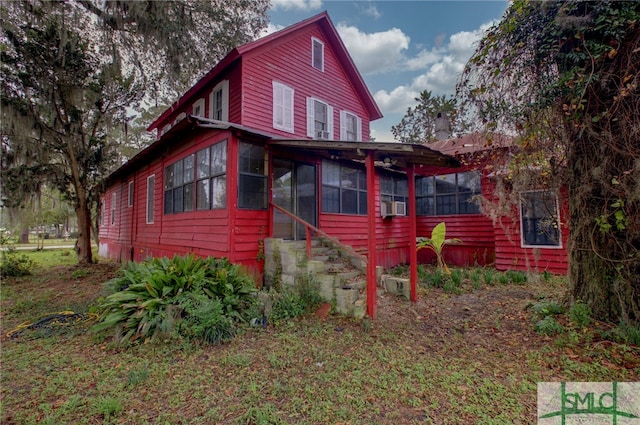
(324, 22)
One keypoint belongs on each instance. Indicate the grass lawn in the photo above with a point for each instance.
(468, 356)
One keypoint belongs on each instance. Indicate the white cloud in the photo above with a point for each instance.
(375, 52)
(372, 10)
(271, 28)
(442, 67)
(304, 5)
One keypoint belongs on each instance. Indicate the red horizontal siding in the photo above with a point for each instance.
(288, 61)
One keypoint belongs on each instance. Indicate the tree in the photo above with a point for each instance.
(420, 123)
(72, 69)
(565, 77)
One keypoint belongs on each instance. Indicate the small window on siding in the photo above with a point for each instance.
(252, 185)
(539, 220)
(317, 54)
(219, 102)
(198, 108)
(344, 189)
(282, 107)
(319, 119)
(178, 186)
(130, 195)
(151, 190)
(211, 177)
(394, 188)
(350, 126)
(113, 208)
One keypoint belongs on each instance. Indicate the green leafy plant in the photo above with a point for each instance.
(547, 308)
(14, 264)
(580, 314)
(517, 277)
(294, 301)
(548, 326)
(436, 243)
(488, 276)
(155, 295)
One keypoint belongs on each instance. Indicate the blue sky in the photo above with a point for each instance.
(400, 47)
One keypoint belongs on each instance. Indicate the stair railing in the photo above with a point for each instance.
(311, 228)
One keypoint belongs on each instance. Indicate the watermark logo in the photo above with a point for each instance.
(589, 403)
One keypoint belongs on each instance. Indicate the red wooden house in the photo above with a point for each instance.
(531, 236)
(269, 143)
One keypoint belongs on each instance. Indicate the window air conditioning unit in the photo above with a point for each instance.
(386, 209)
(321, 134)
(399, 208)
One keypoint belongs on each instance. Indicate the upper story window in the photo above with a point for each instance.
(539, 219)
(317, 54)
(282, 107)
(252, 184)
(448, 194)
(350, 126)
(319, 119)
(130, 195)
(211, 177)
(178, 186)
(344, 189)
(198, 108)
(151, 191)
(219, 102)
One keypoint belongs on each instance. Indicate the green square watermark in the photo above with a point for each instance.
(589, 403)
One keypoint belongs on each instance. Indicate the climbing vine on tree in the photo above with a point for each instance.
(565, 77)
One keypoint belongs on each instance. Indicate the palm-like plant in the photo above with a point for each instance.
(436, 243)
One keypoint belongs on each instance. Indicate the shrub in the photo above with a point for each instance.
(580, 314)
(547, 308)
(548, 326)
(294, 301)
(155, 295)
(14, 264)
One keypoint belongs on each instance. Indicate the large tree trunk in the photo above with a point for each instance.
(604, 219)
(83, 245)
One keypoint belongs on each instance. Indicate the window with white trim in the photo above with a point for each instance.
(219, 102)
(344, 189)
(319, 119)
(151, 191)
(178, 186)
(198, 108)
(130, 194)
(317, 54)
(350, 126)
(252, 182)
(539, 219)
(282, 107)
(211, 177)
(113, 208)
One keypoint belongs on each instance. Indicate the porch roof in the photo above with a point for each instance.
(391, 155)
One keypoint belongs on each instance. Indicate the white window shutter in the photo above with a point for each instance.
(330, 121)
(278, 114)
(310, 118)
(225, 100)
(287, 109)
(359, 128)
(343, 125)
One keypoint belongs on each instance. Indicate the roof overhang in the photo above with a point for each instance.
(399, 156)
